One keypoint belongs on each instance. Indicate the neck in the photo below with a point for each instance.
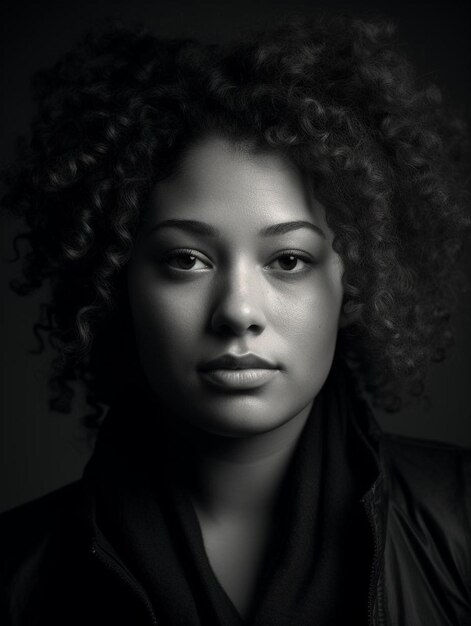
(239, 477)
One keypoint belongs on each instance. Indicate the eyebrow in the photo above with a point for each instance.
(202, 228)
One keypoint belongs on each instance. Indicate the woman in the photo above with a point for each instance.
(241, 242)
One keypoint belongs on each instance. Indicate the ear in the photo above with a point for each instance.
(350, 313)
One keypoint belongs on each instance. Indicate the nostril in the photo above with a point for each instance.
(235, 328)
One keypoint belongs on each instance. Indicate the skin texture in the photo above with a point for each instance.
(237, 297)
(239, 294)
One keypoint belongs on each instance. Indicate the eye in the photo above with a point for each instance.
(185, 260)
(291, 261)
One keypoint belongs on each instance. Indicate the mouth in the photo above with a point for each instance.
(249, 378)
(238, 362)
(238, 372)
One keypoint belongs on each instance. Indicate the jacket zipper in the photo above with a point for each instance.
(110, 562)
(372, 591)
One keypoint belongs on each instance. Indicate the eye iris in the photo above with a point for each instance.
(288, 262)
(186, 261)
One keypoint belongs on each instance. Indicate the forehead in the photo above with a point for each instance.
(228, 185)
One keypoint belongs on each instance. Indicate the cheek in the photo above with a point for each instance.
(165, 320)
(313, 323)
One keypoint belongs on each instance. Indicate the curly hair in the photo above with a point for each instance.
(334, 95)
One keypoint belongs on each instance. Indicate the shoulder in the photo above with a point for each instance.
(37, 514)
(44, 557)
(28, 531)
(440, 470)
(427, 538)
(432, 474)
(428, 487)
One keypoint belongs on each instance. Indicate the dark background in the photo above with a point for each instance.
(40, 450)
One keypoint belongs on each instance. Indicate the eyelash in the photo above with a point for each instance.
(308, 261)
(185, 252)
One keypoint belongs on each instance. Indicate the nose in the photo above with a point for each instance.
(239, 304)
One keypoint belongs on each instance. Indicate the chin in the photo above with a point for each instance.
(239, 416)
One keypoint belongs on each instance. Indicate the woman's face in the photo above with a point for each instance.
(235, 258)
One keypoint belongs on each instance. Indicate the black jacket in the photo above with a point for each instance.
(56, 569)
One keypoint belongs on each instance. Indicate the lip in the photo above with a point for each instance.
(239, 379)
(238, 372)
(228, 361)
